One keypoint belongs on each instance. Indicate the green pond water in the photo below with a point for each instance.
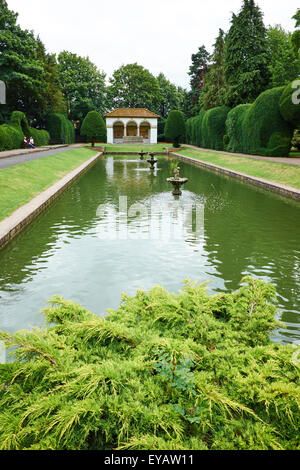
(89, 248)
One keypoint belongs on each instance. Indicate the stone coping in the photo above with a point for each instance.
(134, 153)
(284, 190)
(16, 222)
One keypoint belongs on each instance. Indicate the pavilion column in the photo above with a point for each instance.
(138, 130)
(125, 130)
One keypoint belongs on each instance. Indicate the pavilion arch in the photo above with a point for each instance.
(145, 129)
(132, 129)
(119, 128)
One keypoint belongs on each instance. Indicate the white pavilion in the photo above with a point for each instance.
(131, 125)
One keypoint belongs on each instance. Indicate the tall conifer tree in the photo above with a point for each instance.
(197, 72)
(215, 86)
(246, 56)
(296, 35)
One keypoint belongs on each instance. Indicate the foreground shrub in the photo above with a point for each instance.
(94, 128)
(190, 371)
(61, 130)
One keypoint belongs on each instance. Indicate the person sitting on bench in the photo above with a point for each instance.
(31, 143)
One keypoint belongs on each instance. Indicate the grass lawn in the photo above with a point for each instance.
(20, 183)
(273, 171)
(137, 148)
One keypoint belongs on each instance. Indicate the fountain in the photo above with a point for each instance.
(177, 182)
(142, 153)
(152, 161)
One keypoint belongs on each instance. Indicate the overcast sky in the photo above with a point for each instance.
(161, 35)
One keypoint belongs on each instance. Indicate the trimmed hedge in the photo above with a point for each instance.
(61, 130)
(265, 127)
(175, 130)
(161, 130)
(296, 140)
(41, 137)
(214, 127)
(233, 139)
(94, 127)
(12, 135)
(193, 130)
(265, 131)
(197, 132)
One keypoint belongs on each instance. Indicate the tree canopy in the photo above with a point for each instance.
(82, 83)
(133, 86)
(296, 35)
(245, 62)
(197, 72)
(284, 65)
(215, 84)
(171, 96)
(246, 56)
(23, 67)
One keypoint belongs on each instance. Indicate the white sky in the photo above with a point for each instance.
(161, 35)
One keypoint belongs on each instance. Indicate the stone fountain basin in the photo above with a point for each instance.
(177, 180)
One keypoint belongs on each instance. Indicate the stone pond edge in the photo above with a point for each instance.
(12, 225)
(283, 190)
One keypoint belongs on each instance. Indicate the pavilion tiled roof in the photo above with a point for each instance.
(131, 113)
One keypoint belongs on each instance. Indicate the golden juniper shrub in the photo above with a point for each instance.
(164, 371)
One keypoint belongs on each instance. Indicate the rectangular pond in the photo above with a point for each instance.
(119, 229)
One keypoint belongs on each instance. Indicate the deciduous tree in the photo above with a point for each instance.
(133, 86)
(83, 85)
(284, 65)
(20, 66)
(170, 96)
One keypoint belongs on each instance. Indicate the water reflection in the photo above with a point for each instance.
(69, 250)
